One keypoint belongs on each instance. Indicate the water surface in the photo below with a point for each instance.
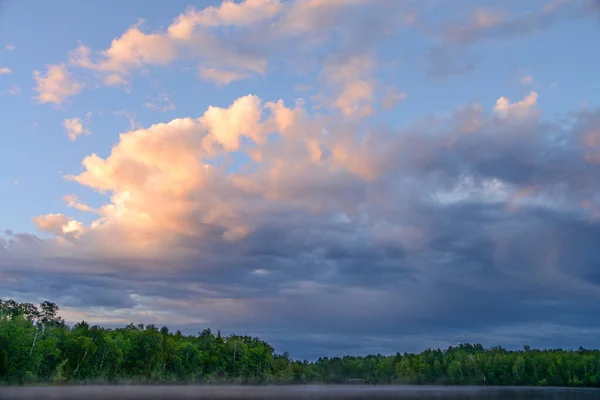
(296, 392)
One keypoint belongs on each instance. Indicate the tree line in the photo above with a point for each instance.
(36, 346)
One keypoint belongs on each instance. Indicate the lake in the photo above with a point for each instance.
(295, 392)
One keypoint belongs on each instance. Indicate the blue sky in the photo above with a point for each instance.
(458, 133)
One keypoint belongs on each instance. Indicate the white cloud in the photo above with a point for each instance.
(521, 109)
(356, 99)
(162, 102)
(5, 71)
(57, 85)
(14, 90)
(229, 13)
(73, 202)
(227, 126)
(232, 41)
(59, 225)
(328, 191)
(115, 80)
(220, 76)
(261, 271)
(350, 83)
(132, 118)
(74, 128)
(10, 47)
(135, 49)
(157, 177)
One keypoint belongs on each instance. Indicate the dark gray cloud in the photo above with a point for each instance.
(466, 286)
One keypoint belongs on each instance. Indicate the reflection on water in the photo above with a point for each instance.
(296, 392)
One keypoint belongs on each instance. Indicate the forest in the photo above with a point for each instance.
(36, 346)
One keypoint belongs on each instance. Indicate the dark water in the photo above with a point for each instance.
(296, 392)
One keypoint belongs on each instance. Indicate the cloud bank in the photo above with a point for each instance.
(314, 224)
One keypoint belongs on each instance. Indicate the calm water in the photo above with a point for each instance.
(295, 392)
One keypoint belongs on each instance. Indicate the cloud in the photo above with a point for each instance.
(238, 40)
(227, 126)
(57, 224)
(485, 24)
(356, 98)
(229, 13)
(309, 15)
(527, 80)
(74, 128)
(493, 24)
(480, 21)
(350, 82)
(10, 47)
(162, 102)
(14, 90)
(522, 108)
(162, 191)
(5, 71)
(136, 49)
(318, 224)
(221, 77)
(391, 98)
(346, 70)
(133, 49)
(115, 80)
(56, 86)
(51, 223)
(73, 201)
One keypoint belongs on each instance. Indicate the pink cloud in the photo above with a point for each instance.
(57, 85)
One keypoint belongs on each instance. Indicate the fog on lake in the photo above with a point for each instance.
(295, 392)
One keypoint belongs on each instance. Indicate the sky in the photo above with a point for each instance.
(334, 176)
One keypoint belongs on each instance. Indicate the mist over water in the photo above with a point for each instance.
(296, 392)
